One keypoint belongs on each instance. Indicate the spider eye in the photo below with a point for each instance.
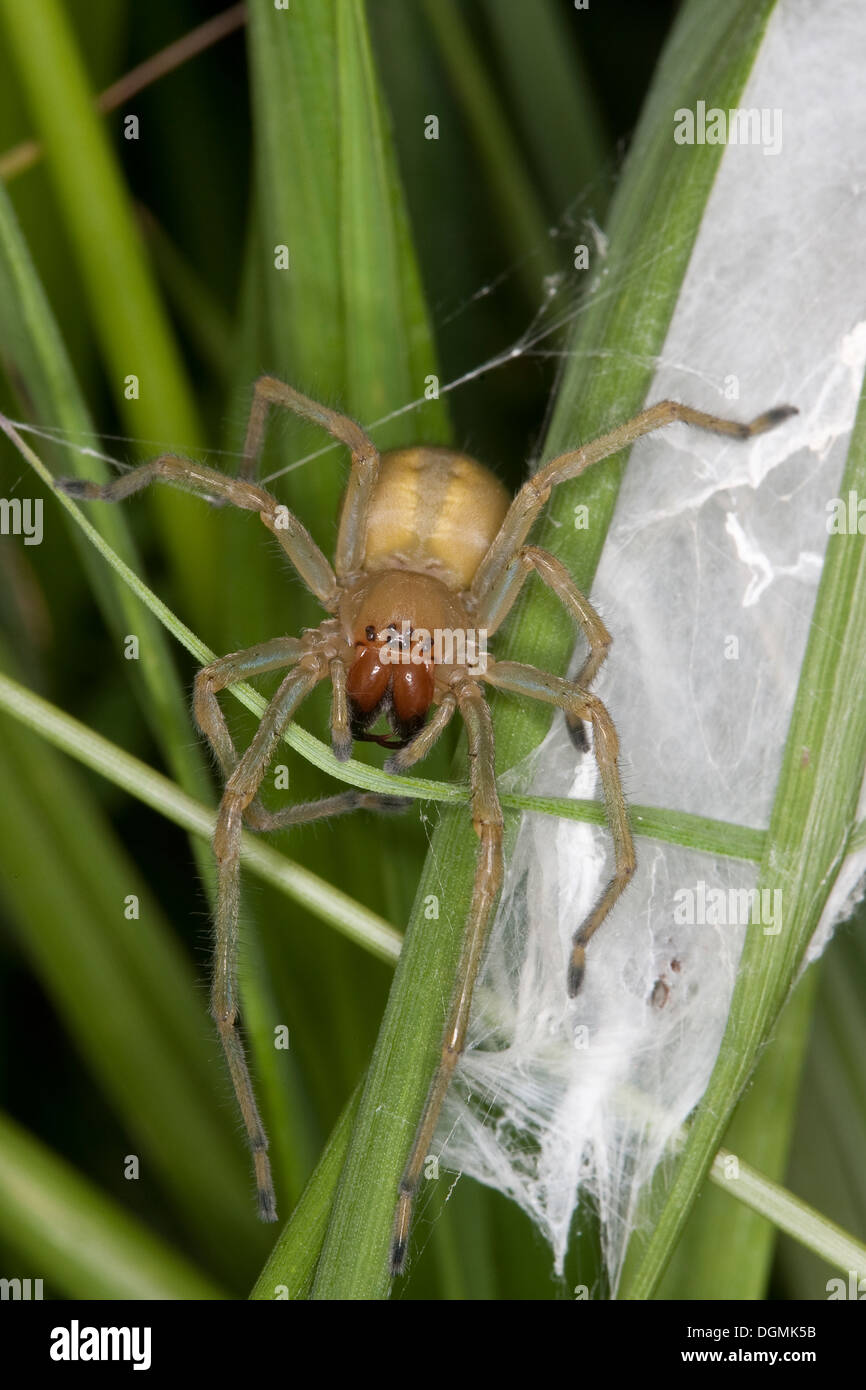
(370, 633)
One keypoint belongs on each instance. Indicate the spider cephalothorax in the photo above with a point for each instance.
(430, 559)
(404, 627)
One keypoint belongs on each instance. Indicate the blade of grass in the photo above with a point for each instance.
(32, 347)
(291, 1266)
(122, 987)
(760, 1131)
(88, 1245)
(23, 157)
(830, 1136)
(349, 314)
(389, 349)
(515, 199)
(98, 214)
(796, 1218)
(346, 322)
(550, 93)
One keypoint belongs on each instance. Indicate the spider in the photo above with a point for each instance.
(430, 549)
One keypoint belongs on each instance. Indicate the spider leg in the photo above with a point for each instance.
(419, 746)
(257, 818)
(253, 661)
(206, 482)
(341, 733)
(536, 490)
(487, 819)
(498, 601)
(268, 391)
(241, 788)
(243, 777)
(540, 685)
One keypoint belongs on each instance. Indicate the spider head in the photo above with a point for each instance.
(391, 620)
(389, 677)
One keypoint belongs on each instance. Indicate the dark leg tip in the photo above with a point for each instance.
(267, 1205)
(394, 805)
(398, 1258)
(342, 748)
(771, 418)
(780, 413)
(575, 978)
(74, 487)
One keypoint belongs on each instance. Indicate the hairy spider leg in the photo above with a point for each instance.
(206, 482)
(351, 537)
(269, 656)
(487, 819)
(535, 492)
(521, 679)
(419, 746)
(240, 792)
(496, 604)
(240, 789)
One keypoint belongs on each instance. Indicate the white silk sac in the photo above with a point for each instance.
(707, 584)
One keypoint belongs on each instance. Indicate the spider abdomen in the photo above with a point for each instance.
(433, 510)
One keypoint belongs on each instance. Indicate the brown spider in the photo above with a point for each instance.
(430, 552)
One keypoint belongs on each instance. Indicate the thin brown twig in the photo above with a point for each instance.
(29, 152)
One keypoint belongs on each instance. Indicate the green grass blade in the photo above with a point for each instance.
(383, 299)
(812, 1229)
(291, 1267)
(35, 353)
(550, 92)
(830, 1132)
(347, 322)
(737, 1266)
(516, 201)
(102, 227)
(120, 985)
(88, 1246)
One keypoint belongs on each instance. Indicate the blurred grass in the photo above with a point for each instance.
(380, 295)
